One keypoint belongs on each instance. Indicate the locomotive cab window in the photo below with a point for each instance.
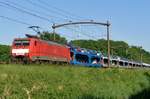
(25, 43)
(21, 43)
(17, 43)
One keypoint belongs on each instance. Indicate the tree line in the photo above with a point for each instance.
(118, 48)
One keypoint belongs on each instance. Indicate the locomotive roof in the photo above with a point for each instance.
(54, 43)
(22, 39)
(49, 42)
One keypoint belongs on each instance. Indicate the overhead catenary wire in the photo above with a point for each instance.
(33, 10)
(64, 17)
(64, 12)
(18, 21)
(23, 10)
(61, 10)
(27, 12)
(94, 30)
(83, 33)
(37, 11)
(15, 20)
(47, 9)
(77, 31)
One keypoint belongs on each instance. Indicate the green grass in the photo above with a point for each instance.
(67, 82)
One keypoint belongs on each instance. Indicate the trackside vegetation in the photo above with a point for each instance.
(118, 48)
(76, 82)
(4, 53)
(72, 82)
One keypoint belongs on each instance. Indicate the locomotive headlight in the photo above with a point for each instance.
(20, 51)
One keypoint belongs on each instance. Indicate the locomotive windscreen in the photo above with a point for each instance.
(21, 42)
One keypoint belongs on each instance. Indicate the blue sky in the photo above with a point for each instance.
(129, 18)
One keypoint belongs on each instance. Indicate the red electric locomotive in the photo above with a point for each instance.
(37, 50)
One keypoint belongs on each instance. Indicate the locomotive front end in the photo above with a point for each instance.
(20, 50)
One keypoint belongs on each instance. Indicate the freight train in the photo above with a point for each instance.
(34, 50)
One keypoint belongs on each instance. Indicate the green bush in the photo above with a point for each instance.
(4, 53)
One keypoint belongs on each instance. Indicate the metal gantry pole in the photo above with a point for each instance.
(54, 32)
(108, 43)
(141, 58)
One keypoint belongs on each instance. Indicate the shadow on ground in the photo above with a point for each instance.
(144, 94)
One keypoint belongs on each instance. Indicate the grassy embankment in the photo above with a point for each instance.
(58, 82)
